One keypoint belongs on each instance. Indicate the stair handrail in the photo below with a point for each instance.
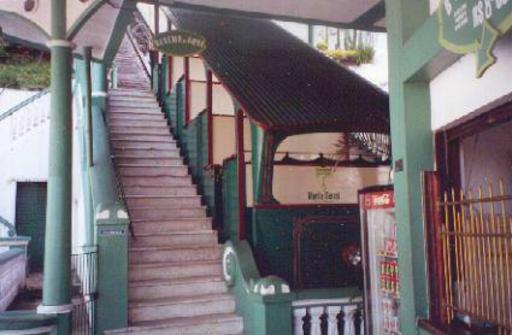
(11, 229)
(120, 188)
(24, 103)
(149, 34)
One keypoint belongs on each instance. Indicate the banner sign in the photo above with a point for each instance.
(473, 26)
(179, 43)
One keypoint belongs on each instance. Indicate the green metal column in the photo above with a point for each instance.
(311, 35)
(88, 103)
(57, 258)
(412, 147)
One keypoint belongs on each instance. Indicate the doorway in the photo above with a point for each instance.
(31, 220)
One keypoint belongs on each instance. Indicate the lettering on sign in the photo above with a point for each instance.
(112, 231)
(180, 43)
(474, 26)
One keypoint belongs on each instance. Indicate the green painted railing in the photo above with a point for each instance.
(265, 303)
(11, 230)
(22, 104)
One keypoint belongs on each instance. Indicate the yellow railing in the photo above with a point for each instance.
(476, 251)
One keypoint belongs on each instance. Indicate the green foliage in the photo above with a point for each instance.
(26, 75)
(352, 56)
(22, 69)
(358, 48)
(322, 46)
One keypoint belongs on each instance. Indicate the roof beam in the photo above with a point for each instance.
(296, 11)
(116, 36)
(372, 16)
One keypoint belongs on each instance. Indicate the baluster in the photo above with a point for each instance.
(332, 320)
(361, 326)
(349, 312)
(298, 321)
(316, 313)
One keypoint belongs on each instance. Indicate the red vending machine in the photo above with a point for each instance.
(380, 261)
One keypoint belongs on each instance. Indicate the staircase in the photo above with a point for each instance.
(175, 282)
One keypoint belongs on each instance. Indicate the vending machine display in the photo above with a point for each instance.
(380, 259)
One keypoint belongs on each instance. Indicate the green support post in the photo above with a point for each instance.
(412, 145)
(88, 103)
(311, 35)
(57, 257)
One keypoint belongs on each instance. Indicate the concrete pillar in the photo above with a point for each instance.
(412, 154)
(57, 257)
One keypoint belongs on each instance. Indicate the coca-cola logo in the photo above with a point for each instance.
(382, 200)
(379, 200)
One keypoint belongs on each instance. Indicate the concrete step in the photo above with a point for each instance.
(185, 287)
(124, 123)
(159, 181)
(123, 93)
(142, 138)
(162, 201)
(155, 271)
(149, 151)
(161, 309)
(152, 161)
(127, 110)
(139, 255)
(139, 117)
(146, 226)
(136, 170)
(160, 191)
(125, 146)
(140, 130)
(155, 214)
(129, 98)
(178, 238)
(135, 107)
(215, 324)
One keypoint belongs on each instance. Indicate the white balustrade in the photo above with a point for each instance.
(332, 319)
(316, 313)
(298, 320)
(333, 311)
(349, 312)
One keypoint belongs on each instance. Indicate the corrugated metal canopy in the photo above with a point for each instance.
(282, 83)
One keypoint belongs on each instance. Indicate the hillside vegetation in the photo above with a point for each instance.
(23, 68)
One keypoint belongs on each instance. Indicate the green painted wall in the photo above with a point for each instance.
(229, 229)
(272, 239)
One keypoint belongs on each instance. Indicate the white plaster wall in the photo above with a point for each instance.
(292, 184)
(178, 69)
(223, 138)
(197, 98)
(222, 103)
(197, 69)
(457, 91)
(23, 150)
(24, 140)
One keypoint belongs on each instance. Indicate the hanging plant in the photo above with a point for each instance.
(358, 48)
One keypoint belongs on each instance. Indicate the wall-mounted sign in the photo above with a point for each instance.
(179, 43)
(473, 26)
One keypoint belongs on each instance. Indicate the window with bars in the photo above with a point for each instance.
(468, 212)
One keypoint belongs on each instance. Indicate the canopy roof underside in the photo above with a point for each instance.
(357, 14)
(281, 82)
(91, 23)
